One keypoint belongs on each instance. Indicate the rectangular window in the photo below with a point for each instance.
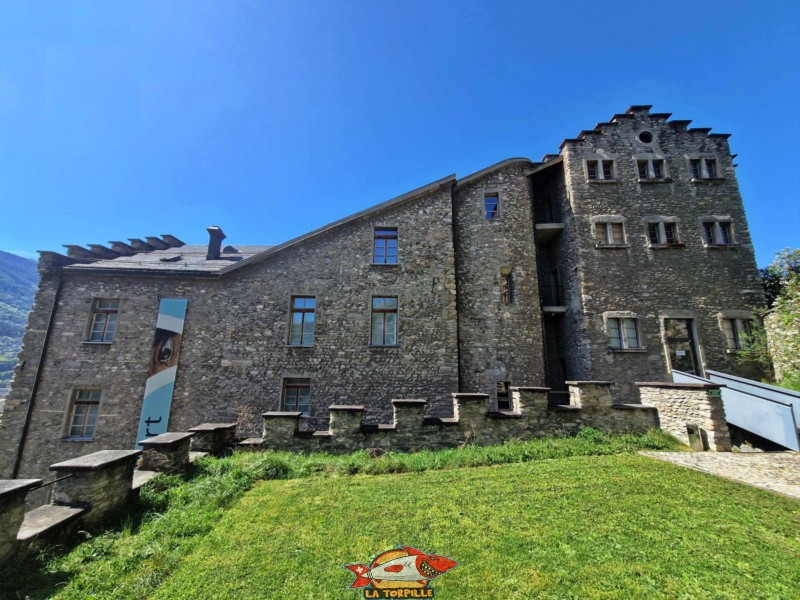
(503, 395)
(296, 395)
(608, 169)
(704, 168)
(736, 332)
(612, 234)
(506, 289)
(385, 246)
(718, 233)
(651, 169)
(301, 327)
(591, 169)
(104, 320)
(384, 321)
(622, 334)
(662, 233)
(83, 416)
(491, 205)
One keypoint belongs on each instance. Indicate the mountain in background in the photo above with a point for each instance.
(18, 281)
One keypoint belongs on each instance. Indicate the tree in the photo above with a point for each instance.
(775, 277)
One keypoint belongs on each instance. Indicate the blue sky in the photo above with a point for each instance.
(129, 119)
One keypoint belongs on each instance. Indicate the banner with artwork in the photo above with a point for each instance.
(163, 368)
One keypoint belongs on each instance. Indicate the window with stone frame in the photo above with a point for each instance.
(84, 407)
(296, 395)
(651, 168)
(506, 288)
(662, 233)
(503, 389)
(491, 205)
(600, 170)
(718, 232)
(302, 320)
(104, 320)
(609, 233)
(737, 332)
(623, 333)
(704, 168)
(384, 250)
(384, 321)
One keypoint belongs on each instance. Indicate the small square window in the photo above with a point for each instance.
(384, 321)
(385, 246)
(83, 413)
(718, 233)
(623, 334)
(491, 205)
(662, 233)
(296, 395)
(704, 168)
(104, 320)
(303, 317)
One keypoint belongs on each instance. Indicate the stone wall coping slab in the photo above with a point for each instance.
(171, 438)
(529, 389)
(46, 518)
(212, 427)
(377, 427)
(633, 407)
(346, 407)
(579, 383)
(313, 434)
(411, 401)
(564, 408)
(685, 386)
(251, 442)
(504, 414)
(470, 397)
(12, 487)
(96, 460)
(440, 421)
(280, 415)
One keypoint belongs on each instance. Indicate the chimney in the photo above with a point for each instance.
(214, 242)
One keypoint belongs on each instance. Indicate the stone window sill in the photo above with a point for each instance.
(612, 246)
(77, 439)
(381, 347)
(708, 180)
(656, 180)
(721, 246)
(88, 343)
(301, 346)
(627, 350)
(666, 246)
(602, 181)
(384, 264)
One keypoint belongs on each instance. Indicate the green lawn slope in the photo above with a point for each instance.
(583, 517)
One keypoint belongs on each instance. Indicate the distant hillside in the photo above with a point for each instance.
(18, 280)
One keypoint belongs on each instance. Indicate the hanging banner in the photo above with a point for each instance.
(163, 368)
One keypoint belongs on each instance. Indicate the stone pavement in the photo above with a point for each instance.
(774, 471)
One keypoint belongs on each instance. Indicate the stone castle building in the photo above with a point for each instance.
(625, 255)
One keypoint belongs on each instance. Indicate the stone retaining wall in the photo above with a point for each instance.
(473, 422)
(681, 405)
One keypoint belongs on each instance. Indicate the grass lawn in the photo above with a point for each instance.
(586, 527)
(595, 520)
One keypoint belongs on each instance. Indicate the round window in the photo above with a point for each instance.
(645, 137)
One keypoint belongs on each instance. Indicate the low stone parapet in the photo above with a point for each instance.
(687, 410)
(166, 453)
(12, 512)
(214, 438)
(48, 521)
(100, 482)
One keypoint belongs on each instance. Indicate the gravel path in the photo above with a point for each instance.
(774, 471)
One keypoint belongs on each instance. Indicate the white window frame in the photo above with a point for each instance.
(619, 318)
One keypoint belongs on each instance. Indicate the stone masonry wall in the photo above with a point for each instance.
(690, 280)
(497, 341)
(683, 404)
(474, 422)
(235, 348)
